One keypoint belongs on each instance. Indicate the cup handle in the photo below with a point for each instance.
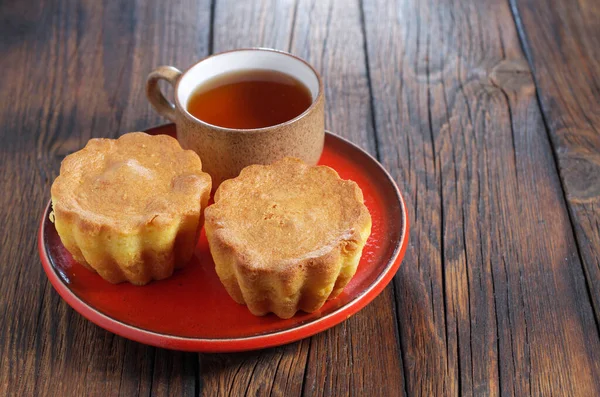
(154, 94)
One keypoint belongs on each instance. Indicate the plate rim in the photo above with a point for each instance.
(222, 345)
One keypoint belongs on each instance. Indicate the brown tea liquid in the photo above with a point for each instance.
(249, 99)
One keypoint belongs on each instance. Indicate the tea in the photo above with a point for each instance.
(249, 99)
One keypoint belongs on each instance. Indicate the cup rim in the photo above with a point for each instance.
(189, 116)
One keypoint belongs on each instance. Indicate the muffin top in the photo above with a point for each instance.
(286, 212)
(130, 181)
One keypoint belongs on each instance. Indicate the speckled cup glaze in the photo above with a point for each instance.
(226, 151)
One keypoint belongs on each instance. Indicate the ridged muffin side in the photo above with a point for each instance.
(304, 280)
(124, 229)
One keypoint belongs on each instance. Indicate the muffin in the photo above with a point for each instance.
(131, 208)
(286, 237)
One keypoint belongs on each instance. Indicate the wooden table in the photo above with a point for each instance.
(487, 114)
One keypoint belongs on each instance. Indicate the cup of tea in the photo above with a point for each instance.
(243, 107)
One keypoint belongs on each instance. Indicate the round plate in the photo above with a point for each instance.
(192, 311)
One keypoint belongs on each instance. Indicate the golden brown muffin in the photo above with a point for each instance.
(287, 236)
(131, 208)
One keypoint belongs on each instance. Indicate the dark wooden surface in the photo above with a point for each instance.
(487, 114)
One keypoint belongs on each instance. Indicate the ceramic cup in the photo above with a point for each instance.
(226, 151)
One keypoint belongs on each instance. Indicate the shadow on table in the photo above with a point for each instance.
(236, 373)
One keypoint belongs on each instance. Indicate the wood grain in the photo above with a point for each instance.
(566, 67)
(75, 70)
(276, 371)
(501, 280)
(492, 298)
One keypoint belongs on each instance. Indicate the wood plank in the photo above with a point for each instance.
(75, 70)
(327, 34)
(491, 299)
(566, 68)
(277, 371)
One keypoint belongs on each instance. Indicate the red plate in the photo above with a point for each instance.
(192, 311)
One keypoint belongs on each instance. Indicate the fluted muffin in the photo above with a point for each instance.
(131, 208)
(286, 237)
